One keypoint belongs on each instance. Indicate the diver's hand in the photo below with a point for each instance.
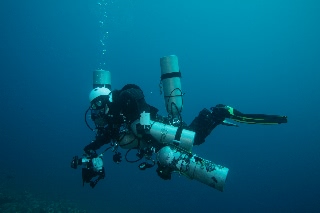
(75, 162)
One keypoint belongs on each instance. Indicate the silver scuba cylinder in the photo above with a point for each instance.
(168, 134)
(101, 78)
(162, 133)
(171, 81)
(193, 167)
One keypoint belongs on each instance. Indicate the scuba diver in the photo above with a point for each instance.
(123, 118)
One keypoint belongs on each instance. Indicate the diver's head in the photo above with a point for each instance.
(100, 98)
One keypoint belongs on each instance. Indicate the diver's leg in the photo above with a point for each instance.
(203, 124)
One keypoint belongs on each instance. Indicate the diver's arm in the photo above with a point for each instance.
(100, 140)
(94, 145)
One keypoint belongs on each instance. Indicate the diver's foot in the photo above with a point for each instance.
(221, 112)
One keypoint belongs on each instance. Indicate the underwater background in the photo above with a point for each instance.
(259, 56)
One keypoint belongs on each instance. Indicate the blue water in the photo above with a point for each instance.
(258, 56)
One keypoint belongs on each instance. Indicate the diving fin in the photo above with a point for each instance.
(228, 123)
